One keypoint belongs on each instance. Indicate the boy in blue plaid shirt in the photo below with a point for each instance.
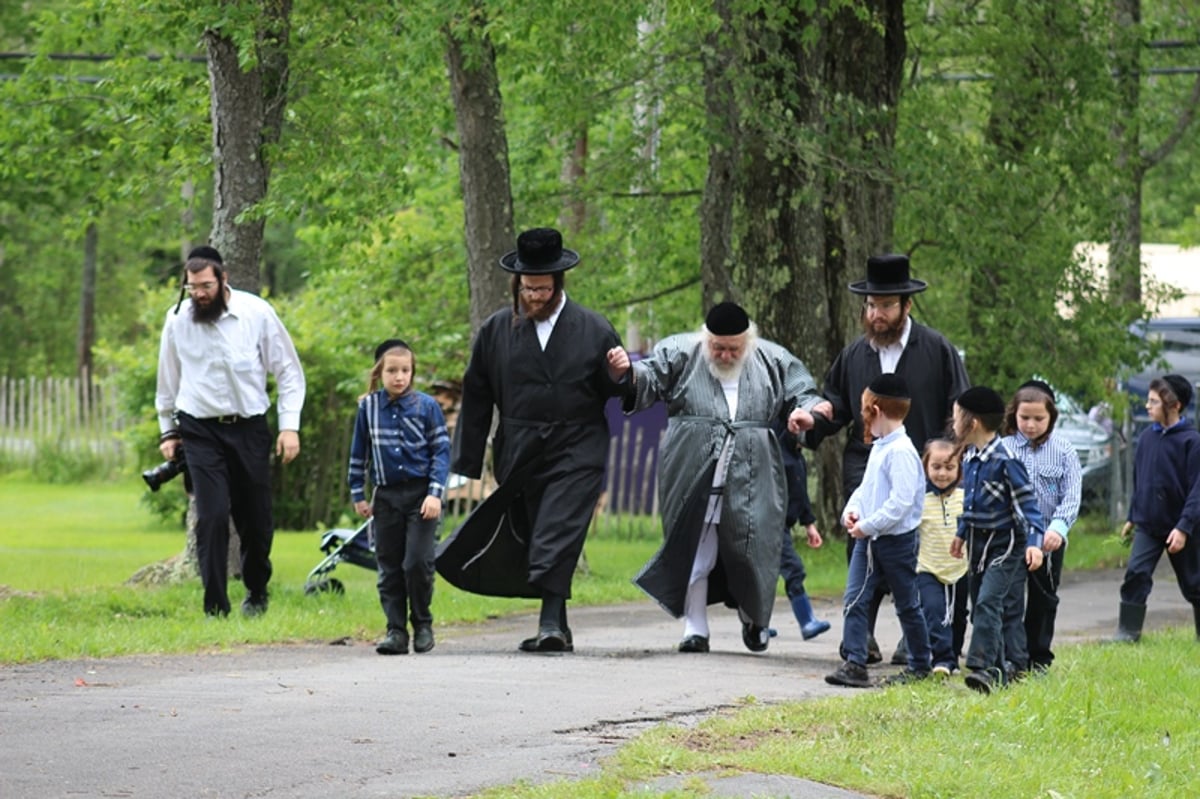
(1001, 528)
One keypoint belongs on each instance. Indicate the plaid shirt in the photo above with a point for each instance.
(400, 439)
(1055, 473)
(997, 494)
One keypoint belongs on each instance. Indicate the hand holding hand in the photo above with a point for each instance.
(1053, 542)
(1033, 558)
(618, 363)
(799, 420)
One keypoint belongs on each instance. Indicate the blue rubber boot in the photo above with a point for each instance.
(810, 626)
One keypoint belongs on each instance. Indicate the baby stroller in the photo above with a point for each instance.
(341, 546)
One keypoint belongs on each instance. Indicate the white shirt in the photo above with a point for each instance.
(208, 369)
(889, 356)
(546, 327)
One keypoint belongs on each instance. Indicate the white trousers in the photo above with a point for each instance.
(695, 606)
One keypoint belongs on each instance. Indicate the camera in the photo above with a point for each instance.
(165, 472)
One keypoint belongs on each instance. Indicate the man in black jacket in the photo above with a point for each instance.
(891, 343)
(541, 364)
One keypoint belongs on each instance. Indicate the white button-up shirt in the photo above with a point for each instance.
(208, 369)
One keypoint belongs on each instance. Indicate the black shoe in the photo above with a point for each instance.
(754, 637)
(985, 680)
(254, 605)
(851, 675)
(548, 639)
(694, 643)
(905, 677)
(900, 656)
(422, 639)
(394, 643)
(873, 653)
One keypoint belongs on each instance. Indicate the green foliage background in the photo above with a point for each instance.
(1000, 176)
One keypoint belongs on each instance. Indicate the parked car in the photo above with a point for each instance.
(1094, 446)
(1179, 341)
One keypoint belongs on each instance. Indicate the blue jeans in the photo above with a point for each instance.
(938, 622)
(890, 560)
(997, 561)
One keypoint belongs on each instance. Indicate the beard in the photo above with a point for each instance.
(541, 312)
(212, 310)
(886, 335)
(731, 372)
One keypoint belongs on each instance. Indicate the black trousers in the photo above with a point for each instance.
(230, 469)
(404, 553)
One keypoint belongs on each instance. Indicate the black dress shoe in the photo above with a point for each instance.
(754, 637)
(694, 643)
(548, 640)
(422, 639)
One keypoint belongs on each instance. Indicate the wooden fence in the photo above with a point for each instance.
(67, 412)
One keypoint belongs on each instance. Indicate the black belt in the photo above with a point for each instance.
(229, 418)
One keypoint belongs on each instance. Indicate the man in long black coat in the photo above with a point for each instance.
(892, 342)
(542, 365)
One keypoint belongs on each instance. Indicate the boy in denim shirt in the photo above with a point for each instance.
(1000, 520)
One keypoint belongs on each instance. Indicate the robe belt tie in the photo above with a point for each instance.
(741, 424)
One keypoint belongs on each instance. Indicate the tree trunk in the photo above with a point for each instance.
(247, 113)
(1125, 245)
(799, 187)
(482, 163)
(87, 304)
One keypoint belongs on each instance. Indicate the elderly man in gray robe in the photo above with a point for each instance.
(722, 492)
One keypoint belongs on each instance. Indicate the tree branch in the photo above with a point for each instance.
(651, 297)
(1186, 117)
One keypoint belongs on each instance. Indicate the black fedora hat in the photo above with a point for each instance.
(539, 252)
(888, 274)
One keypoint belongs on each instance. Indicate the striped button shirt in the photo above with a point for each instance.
(1056, 476)
(397, 440)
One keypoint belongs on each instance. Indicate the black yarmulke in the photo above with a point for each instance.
(1040, 385)
(981, 399)
(206, 253)
(387, 345)
(890, 385)
(727, 319)
(1181, 387)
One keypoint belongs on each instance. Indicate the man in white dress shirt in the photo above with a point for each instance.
(216, 351)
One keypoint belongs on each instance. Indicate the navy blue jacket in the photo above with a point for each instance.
(1166, 469)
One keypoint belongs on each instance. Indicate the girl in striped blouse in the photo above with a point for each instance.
(1055, 474)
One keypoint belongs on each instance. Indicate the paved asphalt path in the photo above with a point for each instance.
(321, 720)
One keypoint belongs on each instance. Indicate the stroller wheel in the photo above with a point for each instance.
(331, 586)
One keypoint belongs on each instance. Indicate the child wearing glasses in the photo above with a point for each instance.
(400, 443)
(1164, 512)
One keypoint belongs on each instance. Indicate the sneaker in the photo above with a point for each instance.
(850, 675)
(422, 639)
(944, 669)
(984, 680)
(905, 677)
(394, 643)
